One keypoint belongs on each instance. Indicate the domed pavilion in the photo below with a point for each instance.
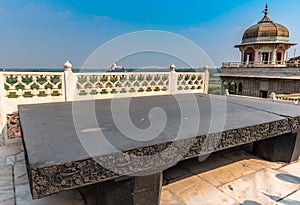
(265, 43)
(264, 66)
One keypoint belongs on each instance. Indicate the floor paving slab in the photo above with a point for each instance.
(2, 161)
(167, 198)
(217, 170)
(293, 199)
(257, 164)
(10, 160)
(6, 186)
(11, 149)
(236, 154)
(212, 162)
(225, 174)
(196, 191)
(20, 155)
(262, 187)
(253, 162)
(293, 169)
(175, 174)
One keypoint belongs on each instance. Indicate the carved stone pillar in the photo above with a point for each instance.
(135, 190)
(206, 79)
(2, 111)
(242, 54)
(273, 60)
(173, 79)
(257, 58)
(69, 82)
(284, 148)
(222, 88)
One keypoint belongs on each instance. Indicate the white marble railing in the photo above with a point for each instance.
(294, 98)
(46, 87)
(32, 84)
(261, 64)
(103, 85)
(109, 84)
(190, 82)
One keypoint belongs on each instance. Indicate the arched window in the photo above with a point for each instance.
(280, 55)
(232, 88)
(249, 56)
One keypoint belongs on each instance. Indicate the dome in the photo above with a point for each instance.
(266, 30)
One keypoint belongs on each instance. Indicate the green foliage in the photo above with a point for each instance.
(214, 86)
(214, 89)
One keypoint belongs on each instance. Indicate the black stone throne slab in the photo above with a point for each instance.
(71, 145)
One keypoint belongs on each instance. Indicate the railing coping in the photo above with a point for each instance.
(136, 73)
(122, 73)
(92, 73)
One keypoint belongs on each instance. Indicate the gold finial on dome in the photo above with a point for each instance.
(266, 10)
(266, 18)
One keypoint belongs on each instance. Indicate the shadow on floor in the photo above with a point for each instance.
(282, 201)
(250, 203)
(202, 164)
(289, 202)
(289, 178)
(189, 168)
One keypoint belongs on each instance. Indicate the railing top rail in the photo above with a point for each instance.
(123, 73)
(138, 73)
(202, 73)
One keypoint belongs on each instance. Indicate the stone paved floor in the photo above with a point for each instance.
(229, 177)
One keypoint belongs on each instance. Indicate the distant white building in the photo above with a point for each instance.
(115, 67)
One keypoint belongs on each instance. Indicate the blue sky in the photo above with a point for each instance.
(44, 33)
